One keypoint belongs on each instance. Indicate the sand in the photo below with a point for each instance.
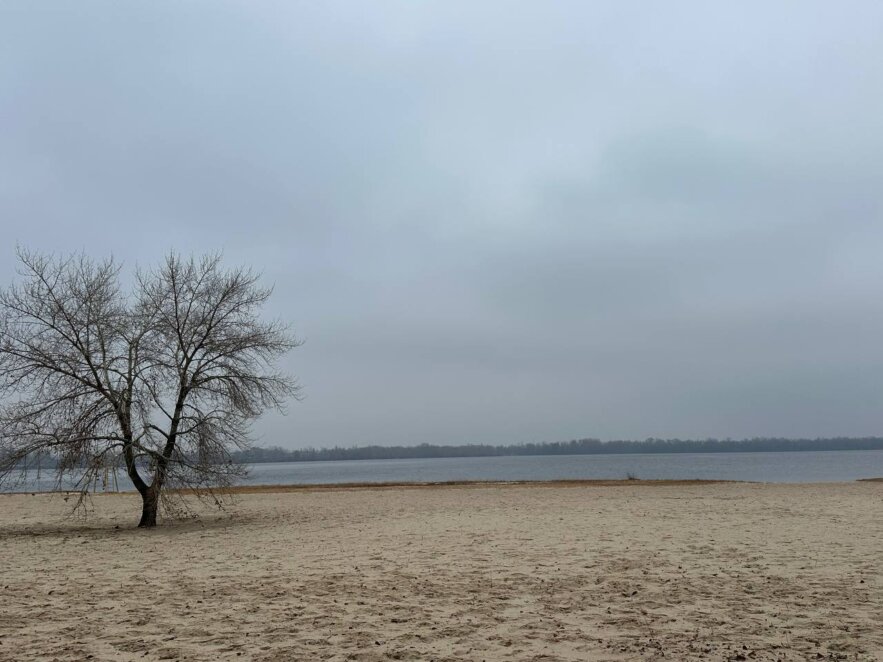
(579, 572)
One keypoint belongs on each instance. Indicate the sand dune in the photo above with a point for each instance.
(673, 572)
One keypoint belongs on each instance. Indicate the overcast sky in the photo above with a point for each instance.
(490, 221)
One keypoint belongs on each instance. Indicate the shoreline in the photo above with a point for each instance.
(417, 485)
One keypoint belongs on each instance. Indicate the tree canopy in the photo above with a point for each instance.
(162, 377)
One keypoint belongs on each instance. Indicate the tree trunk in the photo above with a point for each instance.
(149, 508)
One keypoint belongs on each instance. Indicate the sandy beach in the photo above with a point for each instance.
(726, 571)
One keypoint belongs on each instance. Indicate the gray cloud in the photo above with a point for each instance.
(490, 222)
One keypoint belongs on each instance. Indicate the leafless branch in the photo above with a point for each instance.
(164, 380)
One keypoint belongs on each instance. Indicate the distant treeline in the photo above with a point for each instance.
(260, 455)
(574, 447)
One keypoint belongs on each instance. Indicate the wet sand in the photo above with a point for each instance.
(686, 571)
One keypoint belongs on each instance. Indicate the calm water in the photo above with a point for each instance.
(806, 467)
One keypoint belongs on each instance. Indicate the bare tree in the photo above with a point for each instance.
(162, 379)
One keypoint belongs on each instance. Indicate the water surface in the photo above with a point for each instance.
(790, 467)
